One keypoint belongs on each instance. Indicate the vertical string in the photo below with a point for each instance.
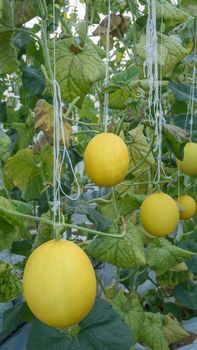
(58, 159)
(106, 97)
(155, 111)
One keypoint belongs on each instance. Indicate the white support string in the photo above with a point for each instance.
(190, 109)
(154, 76)
(106, 97)
(58, 159)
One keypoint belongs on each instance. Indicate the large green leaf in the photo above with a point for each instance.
(30, 172)
(161, 255)
(15, 316)
(10, 284)
(152, 332)
(176, 138)
(127, 252)
(11, 227)
(170, 52)
(77, 68)
(8, 56)
(103, 329)
(171, 14)
(182, 91)
(173, 330)
(185, 293)
(131, 311)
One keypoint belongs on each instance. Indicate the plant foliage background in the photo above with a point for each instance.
(121, 315)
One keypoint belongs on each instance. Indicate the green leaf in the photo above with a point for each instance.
(15, 316)
(171, 14)
(190, 245)
(189, 5)
(185, 294)
(171, 278)
(5, 145)
(30, 172)
(172, 52)
(127, 252)
(33, 81)
(130, 310)
(77, 68)
(11, 227)
(152, 332)
(119, 98)
(88, 110)
(82, 207)
(22, 247)
(103, 329)
(183, 91)
(8, 56)
(118, 89)
(26, 131)
(44, 233)
(139, 148)
(176, 138)
(161, 255)
(124, 77)
(173, 330)
(10, 285)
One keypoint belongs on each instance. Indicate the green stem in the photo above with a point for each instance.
(50, 222)
(114, 203)
(86, 132)
(44, 38)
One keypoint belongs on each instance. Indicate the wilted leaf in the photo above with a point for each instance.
(127, 252)
(161, 255)
(152, 332)
(10, 285)
(173, 330)
(176, 138)
(77, 68)
(172, 52)
(131, 311)
(44, 115)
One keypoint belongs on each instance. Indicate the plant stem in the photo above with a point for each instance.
(50, 222)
